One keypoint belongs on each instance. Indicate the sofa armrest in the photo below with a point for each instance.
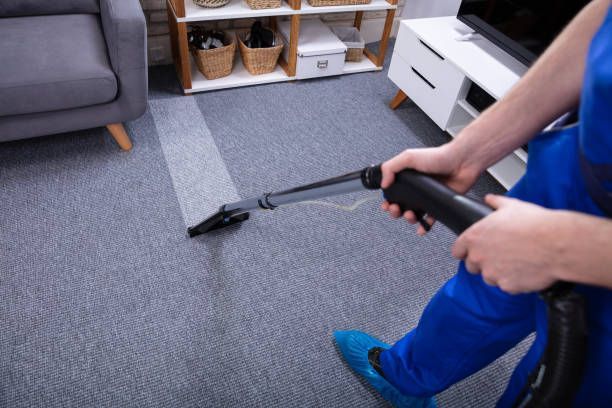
(125, 31)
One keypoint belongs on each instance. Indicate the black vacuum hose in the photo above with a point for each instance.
(556, 379)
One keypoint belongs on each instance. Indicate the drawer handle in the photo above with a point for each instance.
(423, 78)
(322, 64)
(432, 50)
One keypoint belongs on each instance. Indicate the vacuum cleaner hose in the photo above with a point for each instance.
(558, 376)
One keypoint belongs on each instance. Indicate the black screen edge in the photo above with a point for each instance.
(501, 40)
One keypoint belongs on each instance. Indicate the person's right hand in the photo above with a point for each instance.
(441, 162)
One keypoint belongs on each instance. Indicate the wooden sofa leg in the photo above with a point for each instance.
(121, 137)
(398, 99)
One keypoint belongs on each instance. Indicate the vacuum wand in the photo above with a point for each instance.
(557, 377)
(411, 190)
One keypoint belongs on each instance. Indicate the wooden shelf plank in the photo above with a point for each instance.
(235, 9)
(374, 5)
(241, 77)
(364, 65)
(239, 9)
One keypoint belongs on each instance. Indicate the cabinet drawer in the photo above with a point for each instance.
(425, 59)
(435, 100)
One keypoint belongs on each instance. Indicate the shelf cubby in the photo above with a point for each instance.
(239, 77)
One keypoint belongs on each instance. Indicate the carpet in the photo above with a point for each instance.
(104, 301)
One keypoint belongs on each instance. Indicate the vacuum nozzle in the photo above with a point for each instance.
(233, 213)
(218, 220)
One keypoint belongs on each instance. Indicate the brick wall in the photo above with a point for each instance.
(158, 33)
(159, 39)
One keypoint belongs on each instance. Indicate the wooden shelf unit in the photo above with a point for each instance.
(183, 12)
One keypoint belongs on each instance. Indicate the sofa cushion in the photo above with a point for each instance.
(53, 63)
(13, 8)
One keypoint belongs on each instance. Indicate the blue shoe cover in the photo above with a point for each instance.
(354, 346)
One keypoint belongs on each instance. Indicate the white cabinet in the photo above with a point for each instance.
(435, 68)
(430, 80)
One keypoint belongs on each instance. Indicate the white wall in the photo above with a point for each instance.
(430, 8)
(371, 28)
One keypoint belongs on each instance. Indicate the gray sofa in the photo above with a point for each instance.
(71, 64)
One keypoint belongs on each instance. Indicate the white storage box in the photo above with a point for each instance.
(320, 52)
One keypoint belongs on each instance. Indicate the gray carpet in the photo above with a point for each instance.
(104, 301)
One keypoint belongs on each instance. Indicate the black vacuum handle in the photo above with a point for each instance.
(421, 193)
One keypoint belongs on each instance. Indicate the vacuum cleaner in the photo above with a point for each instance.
(557, 377)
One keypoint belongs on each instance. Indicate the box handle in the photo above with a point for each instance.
(322, 64)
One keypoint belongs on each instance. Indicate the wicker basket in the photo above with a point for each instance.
(211, 3)
(263, 4)
(259, 60)
(351, 37)
(216, 63)
(354, 54)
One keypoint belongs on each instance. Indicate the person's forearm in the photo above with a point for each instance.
(586, 256)
(548, 90)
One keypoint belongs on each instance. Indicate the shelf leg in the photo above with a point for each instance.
(293, 42)
(379, 59)
(178, 6)
(284, 65)
(358, 18)
(281, 60)
(180, 51)
(397, 100)
(371, 56)
(384, 42)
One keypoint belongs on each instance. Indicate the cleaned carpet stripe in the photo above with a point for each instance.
(200, 177)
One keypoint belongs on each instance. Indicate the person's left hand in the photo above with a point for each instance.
(518, 248)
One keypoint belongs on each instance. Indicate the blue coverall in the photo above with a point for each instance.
(468, 324)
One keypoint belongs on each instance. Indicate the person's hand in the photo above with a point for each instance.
(518, 248)
(442, 162)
